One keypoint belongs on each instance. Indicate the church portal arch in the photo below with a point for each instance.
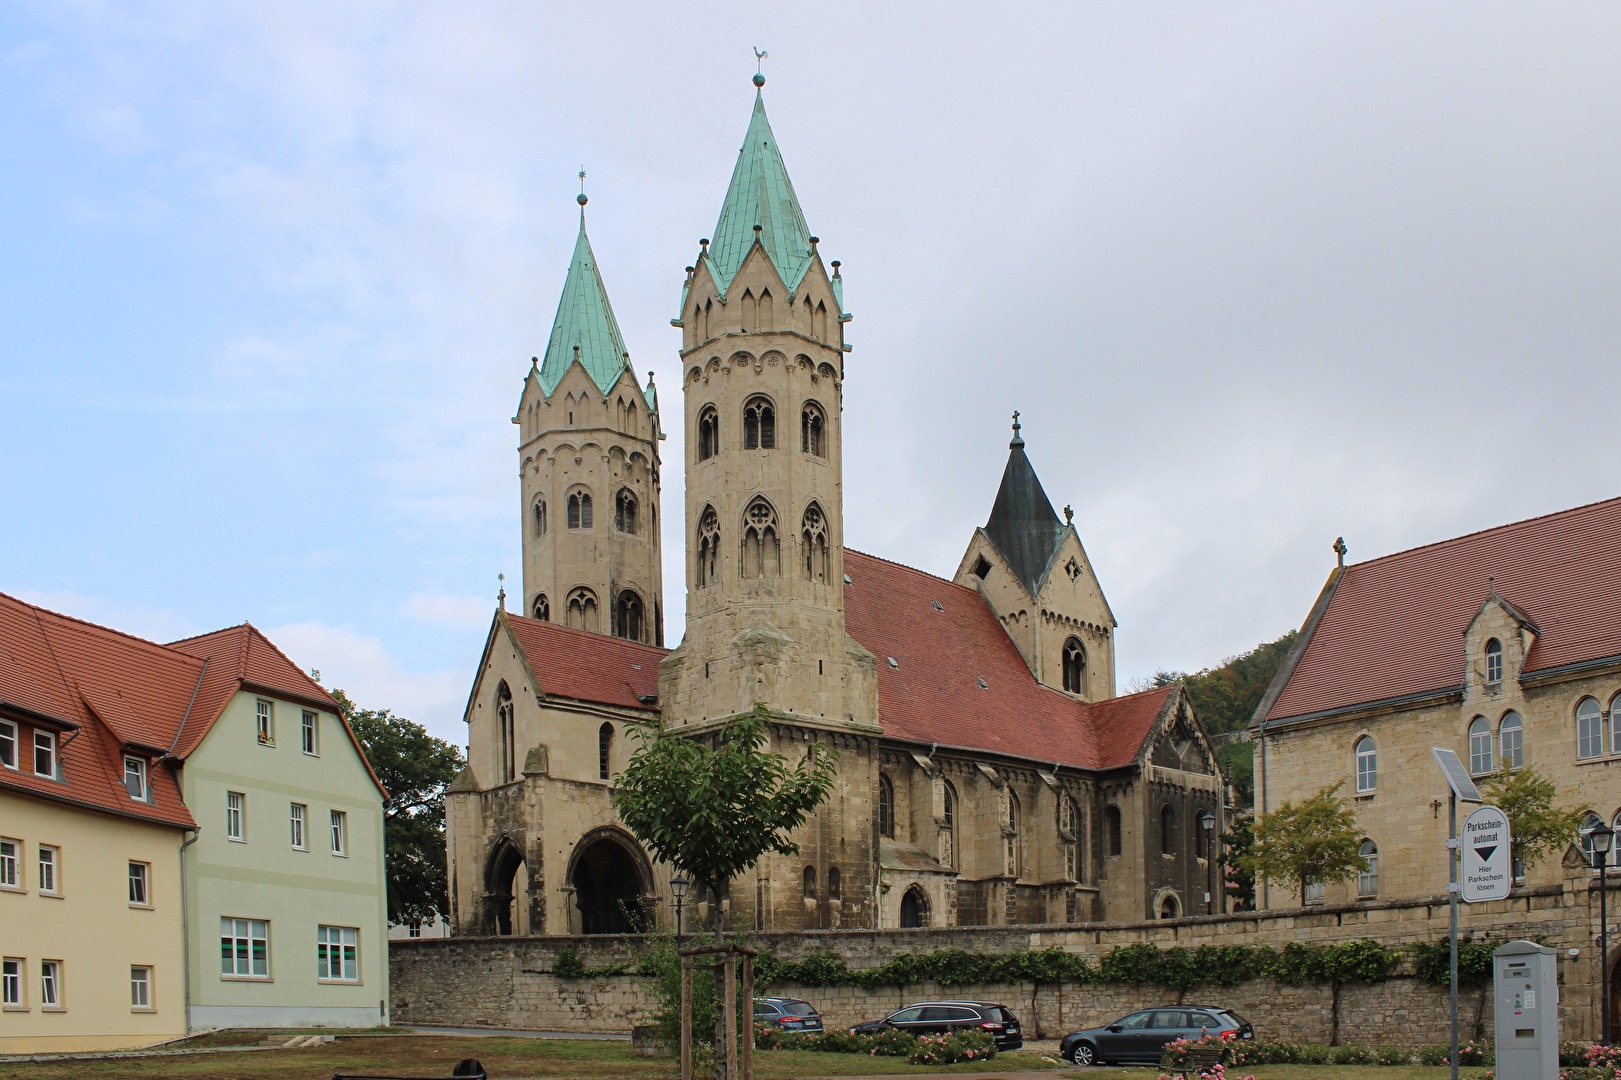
(506, 890)
(914, 908)
(610, 878)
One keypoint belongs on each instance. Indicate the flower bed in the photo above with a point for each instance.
(946, 1049)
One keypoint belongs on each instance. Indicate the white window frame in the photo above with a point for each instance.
(242, 934)
(50, 986)
(11, 864)
(298, 817)
(1367, 879)
(45, 743)
(135, 769)
(264, 719)
(337, 949)
(236, 817)
(140, 988)
(1367, 779)
(13, 983)
(1315, 893)
(1589, 730)
(1494, 662)
(140, 884)
(1482, 743)
(309, 735)
(50, 870)
(8, 744)
(1511, 756)
(340, 834)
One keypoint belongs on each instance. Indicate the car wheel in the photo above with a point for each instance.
(1084, 1054)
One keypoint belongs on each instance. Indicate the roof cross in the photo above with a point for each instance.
(1018, 440)
(1340, 549)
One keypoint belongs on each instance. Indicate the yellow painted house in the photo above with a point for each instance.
(190, 837)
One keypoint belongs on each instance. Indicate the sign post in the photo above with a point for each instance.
(1462, 789)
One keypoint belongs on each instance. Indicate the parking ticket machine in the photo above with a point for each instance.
(1525, 982)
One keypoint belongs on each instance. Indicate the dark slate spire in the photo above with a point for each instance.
(1023, 525)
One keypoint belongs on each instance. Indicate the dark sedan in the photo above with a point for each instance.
(935, 1017)
(1142, 1036)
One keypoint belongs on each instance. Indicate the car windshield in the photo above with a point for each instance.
(798, 1008)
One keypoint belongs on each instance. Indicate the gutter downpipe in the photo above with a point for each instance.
(185, 927)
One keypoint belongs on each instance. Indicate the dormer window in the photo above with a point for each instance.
(8, 744)
(135, 778)
(1494, 662)
(45, 754)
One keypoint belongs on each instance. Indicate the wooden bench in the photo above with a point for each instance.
(1200, 1060)
(466, 1069)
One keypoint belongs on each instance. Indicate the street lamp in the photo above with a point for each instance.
(678, 888)
(1207, 822)
(1602, 835)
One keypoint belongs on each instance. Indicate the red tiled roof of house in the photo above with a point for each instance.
(583, 666)
(1394, 626)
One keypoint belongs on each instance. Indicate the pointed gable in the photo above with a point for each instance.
(582, 666)
(760, 193)
(1023, 525)
(585, 327)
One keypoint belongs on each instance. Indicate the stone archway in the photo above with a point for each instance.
(506, 891)
(610, 879)
(1167, 904)
(914, 908)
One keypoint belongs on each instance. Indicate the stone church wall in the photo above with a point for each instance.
(507, 982)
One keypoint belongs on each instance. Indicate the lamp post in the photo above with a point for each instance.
(1207, 822)
(1602, 836)
(678, 889)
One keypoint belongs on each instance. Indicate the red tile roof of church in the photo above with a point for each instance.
(1394, 626)
(583, 666)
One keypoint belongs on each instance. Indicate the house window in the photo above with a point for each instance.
(297, 815)
(140, 879)
(244, 948)
(10, 863)
(1367, 765)
(759, 424)
(414, 929)
(236, 816)
(1589, 728)
(762, 552)
(1615, 723)
(1494, 662)
(708, 547)
(605, 741)
(1314, 892)
(1511, 740)
(1074, 666)
(11, 983)
(8, 744)
(340, 833)
(140, 987)
(309, 734)
(337, 954)
(45, 754)
(1114, 827)
(625, 512)
(135, 778)
(811, 426)
(50, 984)
(1586, 833)
(579, 510)
(265, 717)
(542, 609)
(886, 807)
(1480, 746)
(708, 433)
(50, 869)
(1367, 879)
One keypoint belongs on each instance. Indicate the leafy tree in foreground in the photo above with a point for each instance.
(415, 768)
(1316, 841)
(712, 806)
(1236, 843)
(1536, 828)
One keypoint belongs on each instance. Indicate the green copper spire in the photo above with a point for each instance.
(585, 325)
(760, 194)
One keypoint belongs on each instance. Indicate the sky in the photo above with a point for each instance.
(1256, 275)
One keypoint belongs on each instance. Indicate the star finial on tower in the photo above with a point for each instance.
(759, 58)
(501, 597)
(580, 198)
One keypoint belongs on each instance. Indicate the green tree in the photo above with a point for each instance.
(1535, 826)
(415, 768)
(1236, 843)
(1316, 841)
(711, 806)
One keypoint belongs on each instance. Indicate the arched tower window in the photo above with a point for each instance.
(1167, 831)
(542, 608)
(605, 742)
(539, 515)
(813, 538)
(762, 551)
(579, 510)
(812, 424)
(759, 424)
(582, 609)
(708, 433)
(886, 807)
(1114, 829)
(1367, 765)
(1074, 666)
(625, 511)
(1010, 833)
(708, 546)
(506, 724)
(1481, 758)
(1494, 661)
(948, 825)
(628, 621)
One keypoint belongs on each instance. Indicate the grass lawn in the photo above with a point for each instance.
(511, 1059)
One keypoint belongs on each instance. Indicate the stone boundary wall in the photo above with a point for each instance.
(508, 982)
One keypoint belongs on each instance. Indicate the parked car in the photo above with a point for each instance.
(934, 1017)
(789, 1014)
(1142, 1036)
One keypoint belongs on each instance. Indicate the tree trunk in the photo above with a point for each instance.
(724, 1025)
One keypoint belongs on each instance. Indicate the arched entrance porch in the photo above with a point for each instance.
(506, 891)
(610, 879)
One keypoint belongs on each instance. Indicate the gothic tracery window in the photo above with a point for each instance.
(759, 424)
(948, 825)
(762, 550)
(813, 538)
(811, 425)
(1010, 834)
(582, 609)
(708, 433)
(625, 511)
(708, 546)
(886, 807)
(542, 608)
(628, 621)
(579, 510)
(505, 718)
(1074, 666)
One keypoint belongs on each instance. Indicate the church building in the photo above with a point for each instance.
(988, 774)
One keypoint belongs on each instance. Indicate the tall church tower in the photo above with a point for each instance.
(762, 349)
(589, 469)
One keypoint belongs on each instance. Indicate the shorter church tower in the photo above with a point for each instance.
(589, 471)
